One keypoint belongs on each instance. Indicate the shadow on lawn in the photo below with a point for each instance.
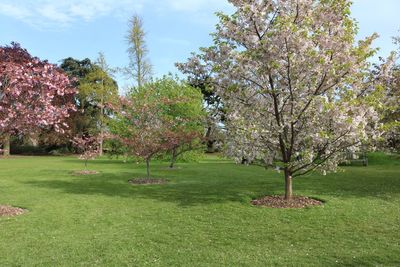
(210, 183)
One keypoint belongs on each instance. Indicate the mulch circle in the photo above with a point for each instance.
(8, 211)
(147, 181)
(297, 202)
(86, 172)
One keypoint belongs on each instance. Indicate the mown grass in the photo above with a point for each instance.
(201, 218)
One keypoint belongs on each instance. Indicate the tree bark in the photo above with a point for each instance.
(209, 142)
(6, 145)
(101, 142)
(148, 168)
(173, 159)
(34, 139)
(288, 185)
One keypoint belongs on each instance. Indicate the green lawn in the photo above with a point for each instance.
(201, 218)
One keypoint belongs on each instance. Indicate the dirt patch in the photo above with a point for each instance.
(147, 181)
(8, 211)
(298, 202)
(87, 172)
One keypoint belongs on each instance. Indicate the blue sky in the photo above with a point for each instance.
(56, 29)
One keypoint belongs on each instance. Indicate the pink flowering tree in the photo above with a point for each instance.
(293, 81)
(88, 147)
(34, 94)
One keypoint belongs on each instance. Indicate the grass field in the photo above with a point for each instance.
(201, 218)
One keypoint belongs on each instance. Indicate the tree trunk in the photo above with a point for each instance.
(148, 168)
(209, 142)
(101, 142)
(34, 139)
(173, 159)
(288, 185)
(6, 146)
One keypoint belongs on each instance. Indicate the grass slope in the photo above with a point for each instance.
(201, 218)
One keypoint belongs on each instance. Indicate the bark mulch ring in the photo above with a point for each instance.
(298, 202)
(147, 181)
(8, 211)
(85, 172)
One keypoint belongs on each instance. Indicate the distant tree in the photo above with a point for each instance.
(203, 80)
(34, 94)
(85, 120)
(96, 87)
(293, 82)
(140, 68)
(99, 88)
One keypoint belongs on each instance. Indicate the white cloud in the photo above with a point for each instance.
(14, 10)
(49, 14)
(196, 5)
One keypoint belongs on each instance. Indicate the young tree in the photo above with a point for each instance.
(293, 83)
(142, 125)
(157, 118)
(88, 146)
(33, 94)
(188, 116)
(139, 67)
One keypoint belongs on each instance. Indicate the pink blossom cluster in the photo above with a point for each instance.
(33, 93)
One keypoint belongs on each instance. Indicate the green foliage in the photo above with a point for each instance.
(190, 156)
(115, 148)
(96, 87)
(190, 111)
(175, 102)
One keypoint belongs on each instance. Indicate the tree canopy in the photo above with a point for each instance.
(293, 83)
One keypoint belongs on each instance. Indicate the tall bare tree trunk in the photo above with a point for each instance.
(6, 146)
(173, 159)
(288, 185)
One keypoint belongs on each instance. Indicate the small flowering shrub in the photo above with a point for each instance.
(88, 147)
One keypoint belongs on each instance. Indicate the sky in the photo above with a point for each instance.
(57, 29)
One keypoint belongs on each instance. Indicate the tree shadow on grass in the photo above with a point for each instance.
(217, 183)
(370, 260)
(186, 187)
